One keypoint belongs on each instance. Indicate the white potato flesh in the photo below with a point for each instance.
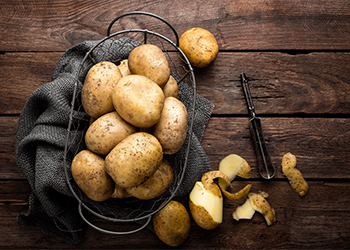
(244, 211)
(230, 165)
(212, 203)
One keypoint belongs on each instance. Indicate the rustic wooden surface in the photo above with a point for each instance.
(297, 52)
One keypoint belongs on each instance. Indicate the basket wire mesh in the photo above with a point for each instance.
(128, 209)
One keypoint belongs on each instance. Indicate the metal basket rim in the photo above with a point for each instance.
(189, 131)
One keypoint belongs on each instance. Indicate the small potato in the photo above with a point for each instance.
(88, 171)
(96, 95)
(134, 159)
(171, 130)
(171, 88)
(172, 224)
(149, 60)
(124, 68)
(106, 132)
(138, 100)
(200, 47)
(120, 193)
(156, 185)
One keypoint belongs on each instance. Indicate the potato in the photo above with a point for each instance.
(171, 88)
(200, 47)
(171, 130)
(89, 173)
(106, 132)
(172, 224)
(134, 159)
(138, 100)
(149, 60)
(120, 193)
(156, 185)
(124, 68)
(96, 95)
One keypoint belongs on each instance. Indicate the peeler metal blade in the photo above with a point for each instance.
(266, 168)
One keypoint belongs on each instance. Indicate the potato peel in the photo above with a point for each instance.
(295, 177)
(235, 196)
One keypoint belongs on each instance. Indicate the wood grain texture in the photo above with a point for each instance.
(238, 25)
(282, 84)
(319, 144)
(313, 222)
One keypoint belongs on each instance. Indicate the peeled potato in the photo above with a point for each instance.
(172, 224)
(200, 47)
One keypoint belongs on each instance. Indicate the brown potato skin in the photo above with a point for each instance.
(199, 46)
(171, 130)
(96, 95)
(106, 132)
(202, 217)
(172, 224)
(149, 60)
(138, 100)
(88, 171)
(134, 159)
(171, 88)
(156, 185)
(124, 68)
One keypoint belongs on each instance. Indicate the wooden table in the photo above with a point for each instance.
(298, 53)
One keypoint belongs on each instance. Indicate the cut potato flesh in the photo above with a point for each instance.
(212, 204)
(244, 212)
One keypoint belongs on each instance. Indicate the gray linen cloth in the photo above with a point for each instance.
(42, 136)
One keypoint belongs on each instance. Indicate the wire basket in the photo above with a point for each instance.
(129, 209)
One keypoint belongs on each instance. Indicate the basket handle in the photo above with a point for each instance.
(108, 231)
(144, 13)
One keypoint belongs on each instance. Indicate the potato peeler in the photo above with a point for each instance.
(266, 168)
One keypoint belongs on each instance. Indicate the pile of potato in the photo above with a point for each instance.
(136, 119)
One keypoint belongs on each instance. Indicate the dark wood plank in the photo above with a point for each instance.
(21, 74)
(319, 144)
(317, 221)
(238, 25)
(284, 84)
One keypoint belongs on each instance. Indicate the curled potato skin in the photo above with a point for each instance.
(171, 130)
(295, 177)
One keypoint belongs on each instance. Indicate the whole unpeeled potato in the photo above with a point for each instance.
(96, 95)
(171, 88)
(171, 130)
(200, 47)
(106, 132)
(149, 60)
(156, 185)
(124, 68)
(138, 100)
(172, 224)
(134, 159)
(88, 171)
